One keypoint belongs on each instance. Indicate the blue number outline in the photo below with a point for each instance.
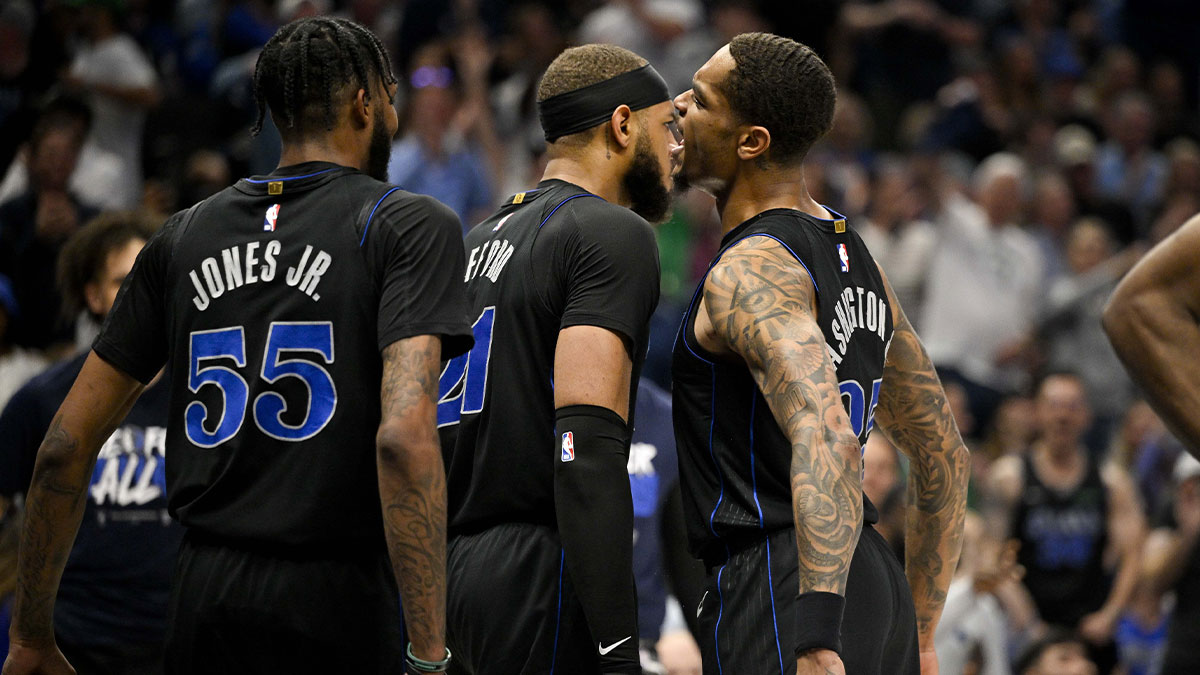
(266, 398)
(195, 383)
(465, 369)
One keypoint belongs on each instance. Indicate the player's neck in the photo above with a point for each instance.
(580, 170)
(754, 191)
(333, 147)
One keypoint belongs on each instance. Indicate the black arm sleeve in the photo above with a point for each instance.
(595, 523)
(416, 246)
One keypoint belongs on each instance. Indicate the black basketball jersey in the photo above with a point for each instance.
(550, 258)
(734, 460)
(1063, 536)
(272, 301)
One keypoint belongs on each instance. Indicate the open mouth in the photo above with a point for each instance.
(677, 158)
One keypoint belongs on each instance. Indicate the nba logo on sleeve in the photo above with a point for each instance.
(844, 256)
(272, 216)
(568, 447)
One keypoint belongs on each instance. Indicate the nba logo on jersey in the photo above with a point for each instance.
(844, 256)
(568, 447)
(272, 216)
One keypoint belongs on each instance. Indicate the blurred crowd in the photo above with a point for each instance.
(1006, 161)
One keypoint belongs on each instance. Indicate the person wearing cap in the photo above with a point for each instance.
(536, 420)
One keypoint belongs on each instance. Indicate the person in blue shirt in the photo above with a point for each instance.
(112, 605)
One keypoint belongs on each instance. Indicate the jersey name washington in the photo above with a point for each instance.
(242, 265)
(856, 309)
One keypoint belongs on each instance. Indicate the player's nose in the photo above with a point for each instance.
(681, 102)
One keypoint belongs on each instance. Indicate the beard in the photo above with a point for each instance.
(648, 197)
(379, 152)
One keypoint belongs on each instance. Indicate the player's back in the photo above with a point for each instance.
(275, 298)
(533, 268)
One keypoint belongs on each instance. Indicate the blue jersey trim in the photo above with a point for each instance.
(720, 476)
(720, 612)
(273, 180)
(753, 473)
(774, 618)
(558, 614)
(367, 227)
(544, 220)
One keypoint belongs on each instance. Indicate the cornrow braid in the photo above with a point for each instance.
(307, 63)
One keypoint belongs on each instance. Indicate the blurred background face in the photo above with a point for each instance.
(1088, 245)
(52, 159)
(1001, 199)
(101, 292)
(881, 472)
(1067, 658)
(1062, 411)
(433, 100)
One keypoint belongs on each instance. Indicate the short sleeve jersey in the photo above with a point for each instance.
(734, 460)
(271, 302)
(550, 258)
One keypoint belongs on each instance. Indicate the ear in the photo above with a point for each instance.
(753, 143)
(620, 125)
(91, 296)
(360, 111)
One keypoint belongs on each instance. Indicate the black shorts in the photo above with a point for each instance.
(235, 611)
(511, 608)
(748, 614)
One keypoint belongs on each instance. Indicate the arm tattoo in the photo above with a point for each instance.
(412, 485)
(761, 304)
(54, 507)
(914, 413)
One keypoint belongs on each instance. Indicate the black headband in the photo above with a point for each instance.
(586, 107)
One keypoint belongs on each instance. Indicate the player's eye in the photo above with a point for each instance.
(696, 100)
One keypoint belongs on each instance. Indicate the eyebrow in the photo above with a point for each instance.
(696, 90)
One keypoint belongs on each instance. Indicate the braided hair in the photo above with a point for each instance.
(307, 63)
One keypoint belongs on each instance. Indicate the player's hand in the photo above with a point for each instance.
(1098, 627)
(41, 660)
(677, 651)
(820, 662)
(929, 663)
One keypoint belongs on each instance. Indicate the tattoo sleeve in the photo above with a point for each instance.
(914, 413)
(54, 504)
(761, 304)
(412, 487)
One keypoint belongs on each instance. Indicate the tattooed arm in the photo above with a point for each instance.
(914, 414)
(412, 488)
(759, 305)
(96, 404)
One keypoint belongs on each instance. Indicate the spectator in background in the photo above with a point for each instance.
(900, 242)
(1079, 524)
(17, 364)
(646, 27)
(34, 225)
(1075, 148)
(1174, 565)
(1058, 653)
(973, 631)
(111, 614)
(1128, 168)
(444, 150)
(98, 178)
(984, 286)
(1052, 212)
(1141, 634)
(17, 20)
(120, 85)
(1070, 327)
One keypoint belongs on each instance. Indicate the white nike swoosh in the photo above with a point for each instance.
(605, 650)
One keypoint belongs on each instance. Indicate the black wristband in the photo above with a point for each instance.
(819, 621)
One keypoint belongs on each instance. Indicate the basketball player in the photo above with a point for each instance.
(280, 305)
(536, 420)
(1151, 321)
(792, 346)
